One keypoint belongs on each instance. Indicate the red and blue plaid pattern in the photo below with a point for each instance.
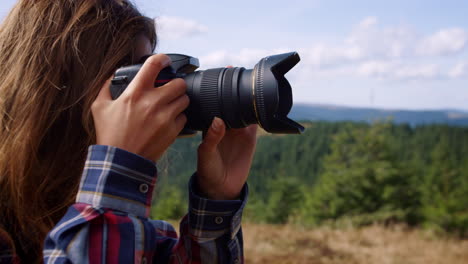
(109, 221)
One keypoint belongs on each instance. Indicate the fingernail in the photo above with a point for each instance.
(216, 125)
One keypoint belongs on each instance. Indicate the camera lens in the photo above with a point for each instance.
(216, 92)
(242, 97)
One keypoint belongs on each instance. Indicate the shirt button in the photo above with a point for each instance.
(218, 220)
(143, 260)
(144, 188)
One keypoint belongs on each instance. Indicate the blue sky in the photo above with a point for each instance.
(409, 54)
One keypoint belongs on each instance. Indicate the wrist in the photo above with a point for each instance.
(213, 192)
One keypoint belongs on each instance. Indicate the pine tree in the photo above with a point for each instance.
(445, 191)
(286, 197)
(362, 180)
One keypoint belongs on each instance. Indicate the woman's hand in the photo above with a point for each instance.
(224, 160)
(144, 120)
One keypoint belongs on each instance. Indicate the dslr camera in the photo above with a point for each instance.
(239, 96)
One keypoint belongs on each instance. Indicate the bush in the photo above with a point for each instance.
(169, 204)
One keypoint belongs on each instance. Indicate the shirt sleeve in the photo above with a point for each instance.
(109, 221)
(211, 232)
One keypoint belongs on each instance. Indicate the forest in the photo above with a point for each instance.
(343, 173)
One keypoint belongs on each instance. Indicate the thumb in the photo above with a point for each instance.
(213, 136)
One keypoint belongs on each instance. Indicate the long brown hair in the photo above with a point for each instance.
(54, 57)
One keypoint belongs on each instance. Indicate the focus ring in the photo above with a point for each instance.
(259, 96)
(209, 101)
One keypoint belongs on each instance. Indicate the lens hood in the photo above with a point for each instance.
(273, 94)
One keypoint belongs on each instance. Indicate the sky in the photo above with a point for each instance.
(410, 54)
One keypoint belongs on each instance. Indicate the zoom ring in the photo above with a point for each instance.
(228, 108)
(209, 100)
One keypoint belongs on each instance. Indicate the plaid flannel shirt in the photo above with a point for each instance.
(109, 221)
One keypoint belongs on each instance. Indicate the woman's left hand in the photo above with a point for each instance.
(224, 160)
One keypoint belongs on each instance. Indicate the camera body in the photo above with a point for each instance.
(181, 65)
(237, 95)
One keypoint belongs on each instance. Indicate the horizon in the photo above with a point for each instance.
(385, 55)
(380, 108)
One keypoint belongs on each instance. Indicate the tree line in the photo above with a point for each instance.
(354, 173)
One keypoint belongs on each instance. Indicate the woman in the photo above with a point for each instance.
(57, 57)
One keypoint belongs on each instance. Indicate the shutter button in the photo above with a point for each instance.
(144, 188)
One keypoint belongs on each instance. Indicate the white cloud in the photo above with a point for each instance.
(402, 41)
(370, 41)
(367, 41)
(386, 70)
(368, 22)
(173, 28)
(370, 50)
(243, 58)
(444, 42)
(377, 69)
(387, 42)
(460, 70)
(325, 56)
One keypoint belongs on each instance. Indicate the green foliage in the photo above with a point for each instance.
(170, 204)
(286, 198)
(255, 210)
(343, 172)
(362, 177)
(445, 191)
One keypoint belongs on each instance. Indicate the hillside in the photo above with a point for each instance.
(343, 171)
(315, 112)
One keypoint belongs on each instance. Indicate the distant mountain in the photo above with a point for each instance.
(312, 112)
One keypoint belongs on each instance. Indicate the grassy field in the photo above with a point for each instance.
(288, 244)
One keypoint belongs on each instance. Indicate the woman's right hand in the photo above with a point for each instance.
(144, 120)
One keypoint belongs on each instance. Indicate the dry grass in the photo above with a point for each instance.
(288, 244)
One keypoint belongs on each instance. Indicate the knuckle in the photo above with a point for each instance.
(128, 98)
(154, 96)
(184, 118)
(158, 60)
(186, 100)
(180, 84)
(162, 119)
(152, 107)
(147, 106)
(156, 102)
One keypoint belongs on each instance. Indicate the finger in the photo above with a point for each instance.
(180, 122)
(253, 128)
(171, 91)
(178, 105)
(104, 93)
(213, 136)
(251, 134)
(148, 73)
(249, 130)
